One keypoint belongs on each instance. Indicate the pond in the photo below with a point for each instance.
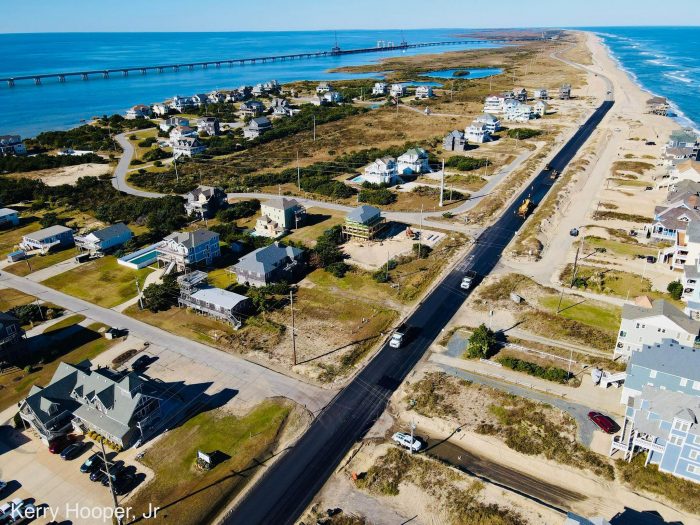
(473, 73)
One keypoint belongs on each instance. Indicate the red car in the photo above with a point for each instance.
(57, 445)
(603, 422)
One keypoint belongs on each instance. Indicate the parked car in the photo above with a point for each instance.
(72, 451)
(3, 485)
(98, 474)
(113, 474)
(123, 484)
(92, 463)
(651, 259)
(603, 422)
(573, 232)
(57, 445)
(11, 512)
(141, 362)
(406, 441)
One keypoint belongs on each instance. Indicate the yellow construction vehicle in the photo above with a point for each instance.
(525, 208)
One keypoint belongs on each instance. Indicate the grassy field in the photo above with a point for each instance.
(625, 249)
(102, 281)
(221, 278)
(612, 282)
(188, 495)
(9, 239)
(182, 322)
(9, 298)
(85, 343)
(318, 220)
(603, 316)
(39, 262)
(65, 322)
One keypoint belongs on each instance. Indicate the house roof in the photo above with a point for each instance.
(111, 232)
(670, 358)
(363, 214)
(692, 232)
(667, 405)
(8, 318)
(663, 308)
(260, 121)
(219, 297)
(415, 152)
(486, 118)
(4, 212)
(456, 133)
(281, 203)
(56, 229)
(207, 191)
(670, 218)
(192, 239)
(266, 259)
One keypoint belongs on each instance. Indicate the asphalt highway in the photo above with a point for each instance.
(287, 488)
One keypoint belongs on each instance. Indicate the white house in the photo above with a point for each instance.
(11, 145)
(520, 94)
(649, 326)
(181, 103)
(397, 90)
(200, 99)
(216, 97)
(381, 171)
(379, 88)
(257, 127)
(323, 87)
(278, 216)
(187, 146)
(181, 132)
(208, 126)
(493, 104)
(477, 132)
(424, 92)
(173, 122)
(415, 160)
(540, 108)
(160, 109)
(518, 113)
(686, 170)
(541, 94)
(329, 97)
(138, 111)
(490, 121)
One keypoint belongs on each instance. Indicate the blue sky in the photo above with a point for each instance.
(28, 16)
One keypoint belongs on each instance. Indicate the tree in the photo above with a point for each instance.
(675, 288)
(327, 252)
(49, 219)
(482, 342)
(157, 297)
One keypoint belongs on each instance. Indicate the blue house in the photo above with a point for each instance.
(105, 239)
(662, 393)
(182, 249)
(8, 216)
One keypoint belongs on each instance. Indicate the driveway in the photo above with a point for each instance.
(119, 180)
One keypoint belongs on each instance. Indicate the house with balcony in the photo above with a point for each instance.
(205, 201)
(691, 271)
(257, 127)
(379, 89)
(216, 97)
(518, 113)
(187, 147)
(252, 108)
(364, 223)
(455, 141)
(329, 97)
(540, 108)
(565, 92)
(139, 111)
(397, 90)
(662, 398)
(476, 132)
(382, 171)
(11, 145)
(541, 94)
(118, 406)
(218, 303)
(174, 122)
(104, 240)
(271, 264)
(208, 126)
(181, 104)
(658, 106)
(688, 169)
(180, 250)
(491, 122)
(493, 104)
(324, 87)
(423, 92)
(46, 239)
(8, 217)
(674, 215)
(641, 326)
(181, 132)
(520, 94)
(414, 161)
(278, 216)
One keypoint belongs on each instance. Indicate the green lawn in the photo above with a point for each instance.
(625, 249)
(65, 323)
(189, 496)
(39, 262)
(604, 317)
(9, 239)
(102, 281)
(221, 278)
(613, 282)
(85, 343)
(318, 221)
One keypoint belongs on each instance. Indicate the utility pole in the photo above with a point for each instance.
(298, 172)
(177, 177)
(387, 265)
(442, 182)
(111, 487)
(420, 234)
(294, 337)
(413, 427)
(314, 128)
(38, 307)
(138, 289)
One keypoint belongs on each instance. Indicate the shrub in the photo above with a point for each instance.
(523, 133)
(17, 421)
(155, 154)
(157, 297)
(465, 163)
(338, 269)
(675, 288)
(550, 373)
(482, 342)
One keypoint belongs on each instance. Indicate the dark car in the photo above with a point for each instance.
(57, 445)
(72, 451)
(573, 232)
(113, 474)
(98, 475)
(123, 483)
(92, 463)
(603, 422)
(141, 362)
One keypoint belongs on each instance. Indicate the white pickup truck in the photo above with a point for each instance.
(468, 280)
(399, 336)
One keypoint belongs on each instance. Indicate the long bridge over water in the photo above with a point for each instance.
(336, 51)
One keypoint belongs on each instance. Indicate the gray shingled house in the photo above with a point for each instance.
(116, 406)
(101, 241)
(271, 264)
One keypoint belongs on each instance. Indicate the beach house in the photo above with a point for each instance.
(686, 170)
(8, 217)
(518, 113)
(181, 103)
(216, 97)
(683, 138)
(252, 108)
(257, 127)
(119, 406)
(11, 145)
(105, 239)
(476, 132)
(658, 106)
(271, 264)
(181, 132)
(674, 214)
(363, 223)
(541, 94)
(379, 89)
(200, 99)
(520, 94)
(139, 111)
(205, 201)
(640, 326)
(174, 122)
(455, 141)
(381, 171)
(494, 104)
(324, 87)
(490, 121)
(540, 108)
(329, 97)
(187, 147)
(565, 92)
(160, 110)
(180, 250)
(397, 90)
(218, 303)
(208, 126)
(414, 160)
(424, 92)
(278, 216)
(56, 236)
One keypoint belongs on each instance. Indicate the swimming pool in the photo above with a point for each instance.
(358, 179)
(140, 258)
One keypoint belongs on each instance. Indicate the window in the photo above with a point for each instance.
(652, 374)
(675, 440)
(692, 469)
(623, 333)
(696, 385)
(684, 381)
(694, 454)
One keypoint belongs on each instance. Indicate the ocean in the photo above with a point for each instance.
(662, 60)
(28, 109)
